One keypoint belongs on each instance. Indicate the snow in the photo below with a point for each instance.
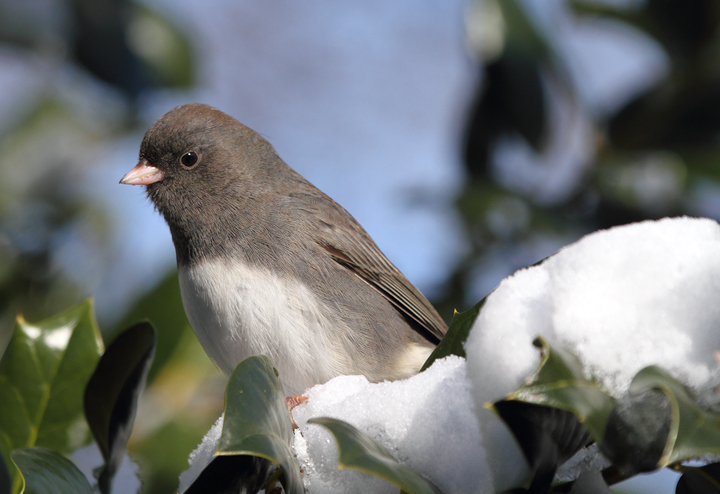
(202, 456)
(621, 299)
(427, 422)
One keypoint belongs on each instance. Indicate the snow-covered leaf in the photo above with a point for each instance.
(257, 422)
(360, 452)
(555, 414)
(656, 424)
(637, 432)
(694, 433)
(560, 383)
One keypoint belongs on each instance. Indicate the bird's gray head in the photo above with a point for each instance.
(201, 168)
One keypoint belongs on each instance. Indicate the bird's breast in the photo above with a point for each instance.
(237, 310)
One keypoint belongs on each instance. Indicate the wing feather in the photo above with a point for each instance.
(349, 245)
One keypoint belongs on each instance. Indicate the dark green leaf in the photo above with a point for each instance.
(191, 389)
(43, 375)
(113, 391)
(657, 421)
(163, 307)
(559, 383)
(233, 474)
(637, 431)
(556, 414)
(452, 343)
(360, 452)
(4, 476)
(547, 436)
(694, 433)
(702, 480)
(44, 471)
(257, 422)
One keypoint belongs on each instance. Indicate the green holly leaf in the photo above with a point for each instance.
(256, 436)
(560, 383)
(694, 433)
(454, 340)
(43, 374)
(44, 471)
(555, 414)
(112, 394)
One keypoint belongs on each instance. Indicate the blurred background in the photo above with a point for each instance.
(469, 137)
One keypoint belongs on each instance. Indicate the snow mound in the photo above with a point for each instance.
(621, 299)
(427, 422)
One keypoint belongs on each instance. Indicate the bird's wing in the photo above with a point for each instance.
(349, 245)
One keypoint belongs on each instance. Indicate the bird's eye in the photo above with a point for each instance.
(189, 159)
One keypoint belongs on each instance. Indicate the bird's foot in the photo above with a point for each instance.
(292, 402)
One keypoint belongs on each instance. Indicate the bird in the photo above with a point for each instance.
(268, 264)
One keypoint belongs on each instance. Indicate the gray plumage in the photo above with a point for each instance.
(269, 264)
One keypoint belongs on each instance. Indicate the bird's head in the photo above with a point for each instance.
(196, 156)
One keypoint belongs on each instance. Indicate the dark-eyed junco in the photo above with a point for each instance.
(270, 265)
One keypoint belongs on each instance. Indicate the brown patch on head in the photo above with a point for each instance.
(194, 114)
(193, 122)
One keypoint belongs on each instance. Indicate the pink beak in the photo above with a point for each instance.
(143, 174)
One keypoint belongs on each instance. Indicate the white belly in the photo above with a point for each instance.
(238, 310)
